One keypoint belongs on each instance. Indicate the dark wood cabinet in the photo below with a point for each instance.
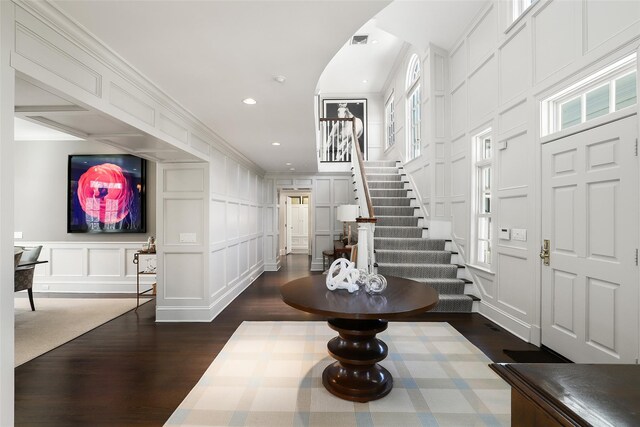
(546, 394)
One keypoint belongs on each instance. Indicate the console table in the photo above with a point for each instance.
(567, 394)
(358, 317)
(136, 261)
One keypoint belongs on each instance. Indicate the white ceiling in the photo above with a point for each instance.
(353, 64)
(209, 55)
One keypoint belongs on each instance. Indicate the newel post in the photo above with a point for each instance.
(365, 243)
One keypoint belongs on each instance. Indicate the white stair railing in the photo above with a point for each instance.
(367, 220)
(337, 140)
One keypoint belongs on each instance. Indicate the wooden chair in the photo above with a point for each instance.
(327, 254)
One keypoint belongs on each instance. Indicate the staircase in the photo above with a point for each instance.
(400, 248)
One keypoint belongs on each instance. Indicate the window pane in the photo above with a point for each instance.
(625, 91)
(305, 200)
(486, 179)
(598, 102)
(484, 252)
(295, 200)
(486, 152)
(486, 203)
(571, 113)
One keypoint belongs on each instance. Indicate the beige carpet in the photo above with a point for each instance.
(59, 320)
(269, 374)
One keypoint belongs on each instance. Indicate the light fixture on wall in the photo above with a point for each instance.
(347, 214)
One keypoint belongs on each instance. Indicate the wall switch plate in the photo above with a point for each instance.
(519, 234)
(505, 234)
(187, 237)
(17, 234)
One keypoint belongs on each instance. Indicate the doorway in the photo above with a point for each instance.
(295, 221)
(590, 218)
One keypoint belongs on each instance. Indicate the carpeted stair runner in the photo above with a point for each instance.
(400, 248)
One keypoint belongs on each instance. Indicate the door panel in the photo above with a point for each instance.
(590, 215)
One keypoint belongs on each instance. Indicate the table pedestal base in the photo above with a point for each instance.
(356, 375)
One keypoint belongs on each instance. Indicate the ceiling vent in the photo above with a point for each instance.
(360, 39)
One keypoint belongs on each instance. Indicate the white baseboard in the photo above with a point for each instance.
(208, 313)
(516, 326)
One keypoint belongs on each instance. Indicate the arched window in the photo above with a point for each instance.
(413, 108)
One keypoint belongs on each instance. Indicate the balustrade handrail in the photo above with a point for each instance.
(365, 185)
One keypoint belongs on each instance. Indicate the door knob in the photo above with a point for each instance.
(545, 252)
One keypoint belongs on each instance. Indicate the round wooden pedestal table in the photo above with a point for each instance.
(358, 318)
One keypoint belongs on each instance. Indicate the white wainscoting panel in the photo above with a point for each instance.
(185, 269)
(89, 267)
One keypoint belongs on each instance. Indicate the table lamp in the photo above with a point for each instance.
(347, 214)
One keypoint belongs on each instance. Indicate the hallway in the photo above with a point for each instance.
(133, 371)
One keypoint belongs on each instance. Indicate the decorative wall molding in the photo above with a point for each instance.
(87, 267)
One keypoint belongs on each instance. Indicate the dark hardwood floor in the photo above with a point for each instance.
(133, 371)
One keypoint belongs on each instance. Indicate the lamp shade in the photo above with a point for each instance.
(347, 213)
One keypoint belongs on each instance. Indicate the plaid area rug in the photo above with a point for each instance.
(270, 374)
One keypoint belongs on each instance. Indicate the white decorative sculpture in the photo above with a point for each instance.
(343, 275)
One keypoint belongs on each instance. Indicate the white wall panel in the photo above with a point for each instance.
(186, 270)
(323, 219)
(459, 176)
(183, 216)
(243, 183)
(232, 178)
(233, 220)
(514, 279)
(104, 262)
(253, 252)
(174, 127)
(65, 262)
(515, 64)
(218, 221)
(323, 192)
(218, 273)
(483, 91)
(243, 257)
(553, 51)
(341, 188)
(514, 170)
(482, 39)
(199, 144)
(232, 264)
(218, 172)
(183, 180)
(514, 116)
(459, 111)
(244, 220)
(130, 104)
(458, 65)
(460, 219)
(607, 18)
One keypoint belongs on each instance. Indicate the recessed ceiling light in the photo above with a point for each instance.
(292, 169)
(374, 41)
(280, 79)
(249, 101)
(288, 163)
(365, 81)
(275, 143)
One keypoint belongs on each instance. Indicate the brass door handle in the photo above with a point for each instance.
(545, 252)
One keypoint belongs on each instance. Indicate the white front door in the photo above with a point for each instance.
(590, 216)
